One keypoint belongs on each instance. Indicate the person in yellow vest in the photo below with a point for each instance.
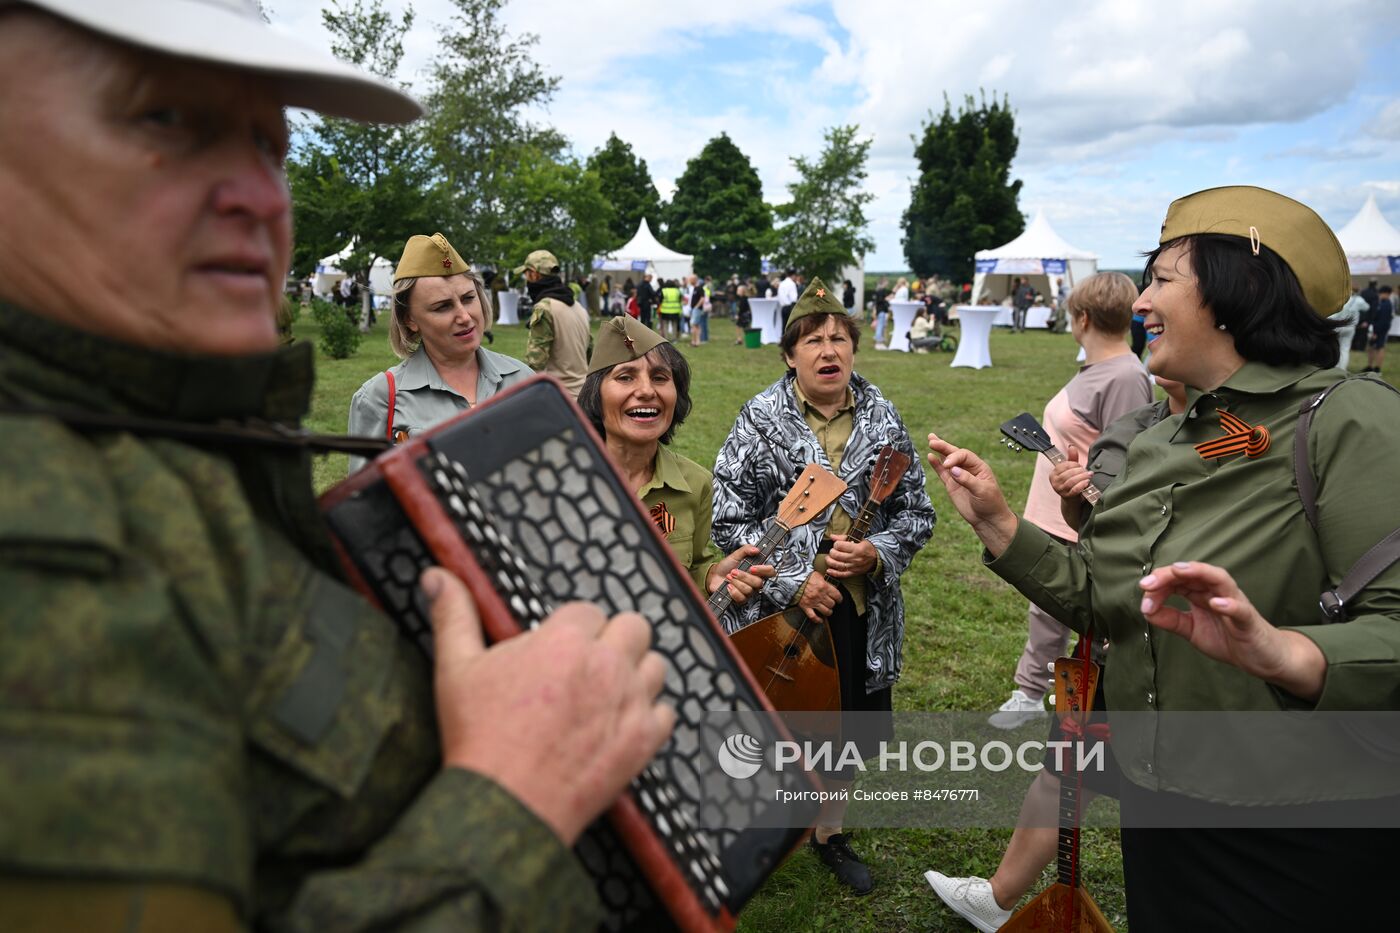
(560, 336)
(672, 305)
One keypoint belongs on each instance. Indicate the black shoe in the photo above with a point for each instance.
(836, 854)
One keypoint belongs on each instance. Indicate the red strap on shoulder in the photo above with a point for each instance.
(393, 393)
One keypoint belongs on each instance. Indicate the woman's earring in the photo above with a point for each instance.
(1219, 326)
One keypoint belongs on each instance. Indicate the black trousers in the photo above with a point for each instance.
(1275, 880)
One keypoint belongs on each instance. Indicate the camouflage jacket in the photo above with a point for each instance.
(188, 693)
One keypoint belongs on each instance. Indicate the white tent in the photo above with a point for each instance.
(1039, 254)
(644, 253)
(1372, 245)
(328, 274)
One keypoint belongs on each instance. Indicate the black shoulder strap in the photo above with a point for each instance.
(1385, 552)
(249, 432)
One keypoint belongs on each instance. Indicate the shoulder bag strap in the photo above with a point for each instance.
(393, 396)
(1370, 565)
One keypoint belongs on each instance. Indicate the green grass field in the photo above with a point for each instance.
(965, 628)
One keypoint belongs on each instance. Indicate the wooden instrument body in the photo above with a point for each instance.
(1060, 908)
(563, 525)
(794, 659)
(793, 656)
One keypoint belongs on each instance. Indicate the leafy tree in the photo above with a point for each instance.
(353, 181)
(963, 199)
(557, 205)
(718, 212)
(824, 223)
(628, 188)
(481, 83)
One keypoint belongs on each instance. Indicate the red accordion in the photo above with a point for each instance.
(518, 498)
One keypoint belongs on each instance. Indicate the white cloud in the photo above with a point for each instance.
(1121, 105)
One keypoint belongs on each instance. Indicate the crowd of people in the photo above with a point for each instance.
(204, 727)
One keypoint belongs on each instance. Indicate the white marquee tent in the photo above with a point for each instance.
(1040, 254)
(1372, 245)
(644, 253)
(328, 274)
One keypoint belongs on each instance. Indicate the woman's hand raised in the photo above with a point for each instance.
(973, 488)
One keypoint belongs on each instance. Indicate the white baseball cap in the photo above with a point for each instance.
(232, 33)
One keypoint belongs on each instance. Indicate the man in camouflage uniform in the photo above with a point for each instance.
(201, 726)
(561, 337)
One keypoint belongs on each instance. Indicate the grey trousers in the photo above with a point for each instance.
(1046, 640)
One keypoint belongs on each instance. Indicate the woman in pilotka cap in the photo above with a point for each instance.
(1203, 569)
(636, 394)
(441, 312)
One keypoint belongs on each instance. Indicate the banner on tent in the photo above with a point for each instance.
(639, 265)
(1015, 266)
(1053, 266)
(1374, 265)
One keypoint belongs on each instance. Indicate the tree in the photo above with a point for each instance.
(481, 83)
(963, 200)
(824, 223)
(353, 181)
(627, 186)
(558, 205)
(718, 213)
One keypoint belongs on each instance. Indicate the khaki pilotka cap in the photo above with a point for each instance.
(1293, 230)
(816, 299)
(428, 256)
(622, 340)
(542, 261)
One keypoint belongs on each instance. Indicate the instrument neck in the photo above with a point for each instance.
(1067, 855)
(1091, 492)
(720, 600)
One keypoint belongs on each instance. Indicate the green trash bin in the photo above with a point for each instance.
(753, 338)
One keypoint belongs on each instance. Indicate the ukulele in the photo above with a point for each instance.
(1065, 906)
(1025, 431)
(792, 656)
(809, 496)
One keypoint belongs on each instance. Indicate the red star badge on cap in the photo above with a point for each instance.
(629, 343)
(447, 263)
(821, 293)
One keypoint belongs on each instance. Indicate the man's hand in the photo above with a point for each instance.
(742, 583)
(849, 558)
(562, 716)
(819, 598)
(1069, 478)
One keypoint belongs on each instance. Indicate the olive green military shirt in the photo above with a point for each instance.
(833, 434)
(190, 698)
(680, 496)
(1242, 514)
(421, 398)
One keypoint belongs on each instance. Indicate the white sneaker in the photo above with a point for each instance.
(1018, 710)
(971, 898)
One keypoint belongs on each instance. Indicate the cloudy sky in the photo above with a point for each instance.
(1121, 105)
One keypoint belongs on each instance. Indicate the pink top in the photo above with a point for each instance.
(1096, 397)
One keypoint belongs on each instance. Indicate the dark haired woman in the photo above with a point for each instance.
(441, 311)
(822, 412)
(636, 393)
(1203, 571)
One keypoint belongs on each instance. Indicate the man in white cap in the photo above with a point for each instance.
(203, 727)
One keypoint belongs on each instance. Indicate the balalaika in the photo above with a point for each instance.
(518, 498)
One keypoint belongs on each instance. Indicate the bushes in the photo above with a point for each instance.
(340, 337)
